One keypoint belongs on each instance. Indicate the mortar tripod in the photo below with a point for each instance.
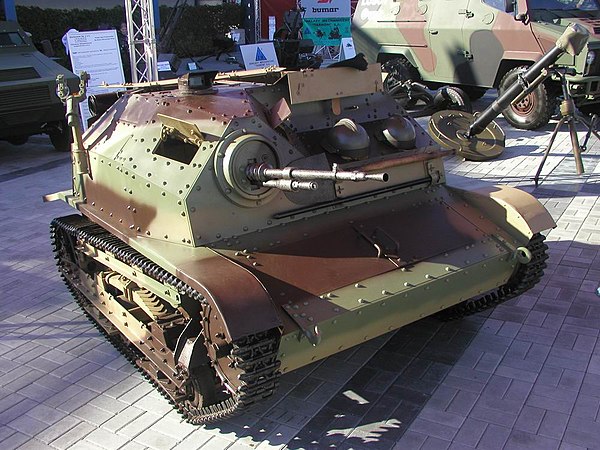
(570, 116)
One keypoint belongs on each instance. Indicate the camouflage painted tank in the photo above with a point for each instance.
(478, 45)
(230, 233)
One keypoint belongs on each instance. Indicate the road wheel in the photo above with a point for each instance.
(60, 136)
(533, 111)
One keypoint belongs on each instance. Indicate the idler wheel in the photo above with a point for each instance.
(450, 128)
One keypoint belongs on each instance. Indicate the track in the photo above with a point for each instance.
(203, 393)
(524, 278)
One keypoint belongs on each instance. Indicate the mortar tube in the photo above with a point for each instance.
(502, 102)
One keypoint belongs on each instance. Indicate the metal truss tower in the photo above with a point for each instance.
(141, 37)
(257, 22)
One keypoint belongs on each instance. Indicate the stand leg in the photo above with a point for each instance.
(575, 145)
(591, 128)
(547, 151)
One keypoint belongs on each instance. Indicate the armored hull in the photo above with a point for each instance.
(233, 232)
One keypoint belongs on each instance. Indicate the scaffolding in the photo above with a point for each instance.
(141, 38)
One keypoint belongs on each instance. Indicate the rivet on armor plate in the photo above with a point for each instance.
(385, 292)
(407, 284)
(362, 300)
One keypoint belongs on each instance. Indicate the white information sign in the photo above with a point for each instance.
(259, 56)
(272, 27)
(96, 52)
(322, 9)
(347, 49)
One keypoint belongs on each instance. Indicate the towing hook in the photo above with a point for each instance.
(523, 255)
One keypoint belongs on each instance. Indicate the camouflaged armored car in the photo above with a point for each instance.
(483, 44)
(28, 101)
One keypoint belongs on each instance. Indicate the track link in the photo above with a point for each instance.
(255, 355)
(524, 278)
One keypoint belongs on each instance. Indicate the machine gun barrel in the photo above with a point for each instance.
(292, 178)
(572, 41)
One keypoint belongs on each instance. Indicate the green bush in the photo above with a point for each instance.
(193, 35)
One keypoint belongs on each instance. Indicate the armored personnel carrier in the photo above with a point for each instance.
(479, 45)
(28, 102)
(231, 231)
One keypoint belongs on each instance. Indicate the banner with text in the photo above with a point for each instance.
(321, 9)
(326, 22)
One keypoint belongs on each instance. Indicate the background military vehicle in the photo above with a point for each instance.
(28, 101)
(233, 232)
(482, 44)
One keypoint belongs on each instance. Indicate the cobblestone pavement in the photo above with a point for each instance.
(523, 376)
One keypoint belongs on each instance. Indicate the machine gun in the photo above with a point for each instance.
(292, 179)
(478, 137)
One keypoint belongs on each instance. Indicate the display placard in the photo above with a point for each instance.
(97, 53)
(328, 31)
(259, 56)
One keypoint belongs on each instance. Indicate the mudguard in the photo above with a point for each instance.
(523, 214)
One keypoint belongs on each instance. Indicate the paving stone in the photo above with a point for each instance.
(92, 414)
(122, 419)
(471, 432)
(195, 440)
(155, 440)
(72, 436)
(520, 440)
(14, 441)
(28, 425)
(434, 429)
(138, 424)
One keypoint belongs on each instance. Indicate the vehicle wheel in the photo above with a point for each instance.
(60, 136)
(450, 97)
(473, 92)
(533, 111)
(18, 140)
